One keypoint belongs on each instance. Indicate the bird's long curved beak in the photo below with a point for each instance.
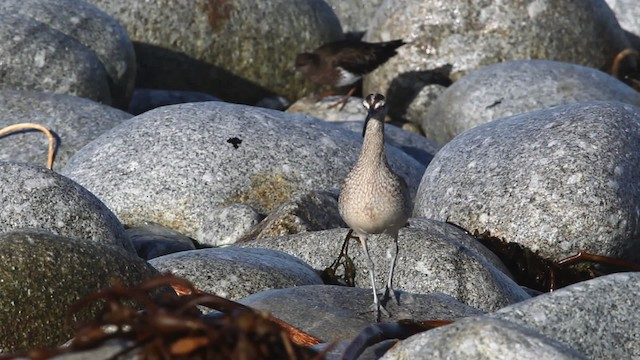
(366, 121)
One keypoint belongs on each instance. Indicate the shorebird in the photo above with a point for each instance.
(374, 199)
(343, 62)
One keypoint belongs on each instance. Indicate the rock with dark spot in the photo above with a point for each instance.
(42, 275)
(517, 87)
(75, 121)
(174, 165)
(238, 50)
(34, 56)
(32, 197)
(555, 181)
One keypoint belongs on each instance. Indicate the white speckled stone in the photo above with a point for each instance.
(598, 318)
(75, 120)
(234, 272)
(628, 15)
(238, 50)
(517, 87)
(467, 34)
(556, 181)
(481, 338)
(174, 165)
(429, 260)
(354, 15)
(32, 197)
(34, 56)
(92, 28)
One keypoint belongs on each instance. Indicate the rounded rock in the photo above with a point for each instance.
(543, 180)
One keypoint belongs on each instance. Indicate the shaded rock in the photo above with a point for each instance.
(308, 212)
(224, 48)
(76, 121)
(92, 28)
(42, 275)
(234, 273)
(544, 180)
(478, 338)
(448, 39)
(427, 262)
(33, 197)
(597, 317)
(628, 14)
(175, 164)
(108, 350)
(227, 225)
(338, 312)
(35, 56)
(152, 240)
(147, 99)
(517, 87)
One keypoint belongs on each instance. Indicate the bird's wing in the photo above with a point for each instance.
(363, 58)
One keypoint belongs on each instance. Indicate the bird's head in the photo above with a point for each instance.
(376, 107)
(305, 61)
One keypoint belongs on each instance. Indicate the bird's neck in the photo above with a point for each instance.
(373, 143)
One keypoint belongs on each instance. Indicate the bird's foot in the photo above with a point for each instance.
(378, 310)
(389, 294)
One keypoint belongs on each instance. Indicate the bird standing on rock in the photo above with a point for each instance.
(343, 62)
(374, 199)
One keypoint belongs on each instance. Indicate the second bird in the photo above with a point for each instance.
(342, 63)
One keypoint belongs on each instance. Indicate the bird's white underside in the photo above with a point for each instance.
(346, 78)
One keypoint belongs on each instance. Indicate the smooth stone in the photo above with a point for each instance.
(38, 57)
(312, 211)
(481, 338)
(144, 100)
(94, 29)
(516, 87)
(107, 350)
(228, 225)
(334, 313)
(42, 275)
(597, 317)
(174, 165)
(225, 48)
(36, 198)
(234, 273)
(74, 120)
(325, 109)
(448, 39)
(353, 14)
(153, 240)
(427, 262)
(543, 180)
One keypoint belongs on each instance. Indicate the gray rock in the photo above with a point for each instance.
(234, 272)
(354, 15)
(598, 317)
(481, 338)
(34, 56)
(107, 350)
(544, 180)
(76, 121)
(517, 87)
(94, 29)
(227, 225)
(334, 313)
(448, 39)
(153, 240)
(36, 198)
(147, 99)
(427, 262)
(42, 275)
(308, 212)
(326, 109)
(224, 48)
(175, 164)
(627, 13)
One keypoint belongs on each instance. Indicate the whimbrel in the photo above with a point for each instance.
(373, 199)
(343, 62)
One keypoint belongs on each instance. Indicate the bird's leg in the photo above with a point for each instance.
(388, 289)
(377, 307)
(343, 101)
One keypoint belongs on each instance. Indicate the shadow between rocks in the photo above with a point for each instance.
(160, 68)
